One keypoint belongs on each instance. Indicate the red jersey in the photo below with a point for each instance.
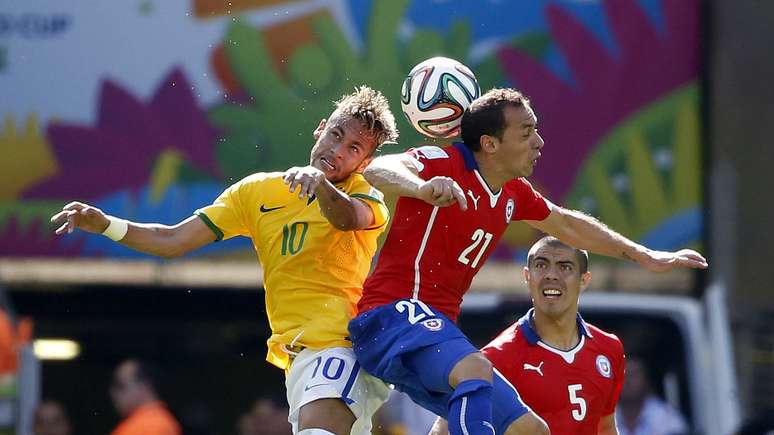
(571, 390)
(433, 253)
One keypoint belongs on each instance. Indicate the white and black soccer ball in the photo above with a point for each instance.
(435, 94)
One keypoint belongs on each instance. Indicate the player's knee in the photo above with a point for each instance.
(528, 424)
(329, 415)
(473, 366)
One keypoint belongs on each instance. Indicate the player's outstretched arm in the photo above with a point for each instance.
(396, 174)
(155, 239)
(342, 211)
(583, 231)
(440, 427)
(607, 425)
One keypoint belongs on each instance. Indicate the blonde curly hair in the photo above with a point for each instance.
(372, 109)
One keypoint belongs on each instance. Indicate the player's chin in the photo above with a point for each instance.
(335, 176)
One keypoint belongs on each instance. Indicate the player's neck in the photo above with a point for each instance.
(491, 171)
(560, 333)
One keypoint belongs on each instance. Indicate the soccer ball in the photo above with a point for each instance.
(435, 94)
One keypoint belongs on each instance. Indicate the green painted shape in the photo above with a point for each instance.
(30, 211)
(311, 69)
(647, 189)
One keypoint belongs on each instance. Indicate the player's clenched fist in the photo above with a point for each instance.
(80, 215)
(442, 192)
(308, 177)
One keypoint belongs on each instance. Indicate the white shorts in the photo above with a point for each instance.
(334, 373)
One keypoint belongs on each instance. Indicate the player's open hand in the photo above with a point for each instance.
(308, 178)
(661, 261)
(80, 215)
(442, 192)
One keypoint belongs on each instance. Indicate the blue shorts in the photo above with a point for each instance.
(409, 345)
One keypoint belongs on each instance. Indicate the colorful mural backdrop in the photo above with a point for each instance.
(149, 108)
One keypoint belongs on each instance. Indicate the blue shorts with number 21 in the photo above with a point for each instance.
(408, 344)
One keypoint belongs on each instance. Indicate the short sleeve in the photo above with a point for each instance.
(618, 373)
(430, 161)
(226, 215)
(375, 199)
(530, 204)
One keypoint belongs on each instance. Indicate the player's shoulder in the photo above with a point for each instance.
(433, 152)
(448, 156)
(605, 339)
(511, 336)
(358, 187)
(519, 184)
(260, 185)
(262, 178)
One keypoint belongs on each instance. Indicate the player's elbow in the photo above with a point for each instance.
(345, 223)
(174, 245)
(171, 252)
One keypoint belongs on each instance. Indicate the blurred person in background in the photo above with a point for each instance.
(51, 419)
(134, 394)
(640, 411)
(266, 417)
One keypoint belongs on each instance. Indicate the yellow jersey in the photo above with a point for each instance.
(313, 273)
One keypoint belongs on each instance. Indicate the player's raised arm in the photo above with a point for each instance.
(397, 174)
(585, 232)
(155, 239)
(342, 211)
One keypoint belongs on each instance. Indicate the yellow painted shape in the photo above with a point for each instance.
(164, 173)
(27, 157)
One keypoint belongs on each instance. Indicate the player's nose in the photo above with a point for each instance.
(337, 150)
(539, 142)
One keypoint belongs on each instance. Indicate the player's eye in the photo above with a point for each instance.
(354, 149)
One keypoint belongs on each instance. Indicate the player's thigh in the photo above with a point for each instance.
(333, 415)
(333, 374)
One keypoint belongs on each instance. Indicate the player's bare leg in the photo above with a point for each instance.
(473, 366)
(331, 415)
(528, 424)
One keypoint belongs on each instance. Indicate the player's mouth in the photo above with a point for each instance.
(326, 165)
(551, 293)
(535, 160)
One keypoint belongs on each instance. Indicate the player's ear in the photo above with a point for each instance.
(488, 143)
(525, 272)
(318, 131)
(585, 281)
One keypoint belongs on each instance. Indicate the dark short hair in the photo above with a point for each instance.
(580, 254)
(486, 115)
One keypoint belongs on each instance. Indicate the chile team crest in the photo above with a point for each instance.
(433, 324)
(603, 366)
(509, 207)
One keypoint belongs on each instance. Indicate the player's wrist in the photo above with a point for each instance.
(116, 229)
